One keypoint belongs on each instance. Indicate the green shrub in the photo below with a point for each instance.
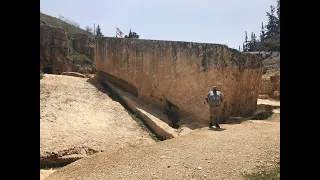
(81, 63)
(267, 174)
(80, 58)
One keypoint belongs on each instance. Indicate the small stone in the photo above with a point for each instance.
(199, 168)
(83, 152)
(205, 176)
(168, 166)
(269, 164)
(163, 156)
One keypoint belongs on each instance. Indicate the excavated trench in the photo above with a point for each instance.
(134, 115)
(170, 110)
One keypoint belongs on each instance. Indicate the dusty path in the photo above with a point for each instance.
(203, 154)
(76, 119)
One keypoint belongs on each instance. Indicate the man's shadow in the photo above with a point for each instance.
(217, 129)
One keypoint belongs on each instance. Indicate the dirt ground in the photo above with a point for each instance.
(203, 154)
(77, 118)
(45, 173)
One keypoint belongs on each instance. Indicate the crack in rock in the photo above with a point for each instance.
(65, 157)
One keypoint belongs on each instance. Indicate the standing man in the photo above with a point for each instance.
(214, 99)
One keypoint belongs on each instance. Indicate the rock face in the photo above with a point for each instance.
(178, 75)
(270, 85)
(54, 50)
(81, 43)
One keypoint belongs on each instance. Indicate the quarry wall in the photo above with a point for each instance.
(176, 76)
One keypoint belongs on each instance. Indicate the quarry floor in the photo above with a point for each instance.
(74, 113)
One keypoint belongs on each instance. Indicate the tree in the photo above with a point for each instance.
(243, 47)
(253, 42)
(246, 44)
(239, 48)
(269, 34)
(61, 17)
(89, 29)
(262, 33)
(98, 31)
(272, 26)
(278, 13)
(130, 34)
(246, 37)
(278, 9)
(133, 35)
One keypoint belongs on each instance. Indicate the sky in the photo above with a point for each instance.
(204, 21)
